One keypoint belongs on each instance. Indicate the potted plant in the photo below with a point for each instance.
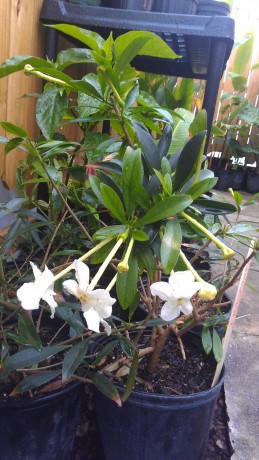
(110, 237)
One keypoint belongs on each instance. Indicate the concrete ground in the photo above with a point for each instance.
(242, 361)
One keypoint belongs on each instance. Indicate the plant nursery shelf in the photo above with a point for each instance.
(203, 42)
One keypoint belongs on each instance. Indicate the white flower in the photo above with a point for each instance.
(177, 293)
(30, 294)
(96, 304)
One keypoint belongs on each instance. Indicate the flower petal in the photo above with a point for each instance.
(101, 301)
(29, 296)
(93, 320)
(72, 287)
(162, 290)
(169, 311)
(186, 306)
(107, 327)
(48, 297)
(82, 274)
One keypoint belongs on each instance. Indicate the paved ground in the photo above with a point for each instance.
(242, 363)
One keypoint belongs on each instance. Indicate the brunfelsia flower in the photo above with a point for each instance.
(96, 304)
(207, 292)
(177, 293)
(30, 294)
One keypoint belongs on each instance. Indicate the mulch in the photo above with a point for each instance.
(87, 440)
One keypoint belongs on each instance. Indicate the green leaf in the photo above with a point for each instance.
(126, 284)
(196, 190)
(112, 230)
(106, 350)
(154, 45)
(28, 332)
(149, 148)
(171, 244)
(96, 187)
(243, 54)
(113, 202)
(73, 358)
(12, 144)
(187, 159)
(181, 129)
(207, 206)
(35, 381)
(50, 110)
(131, 377)
(30, 357)
(199, 123)
(139, 235)
(14, 129)
(217, 346)
(18, 62)
(105, 386)
(72, 56)
(132, 176)
(72, 318)
(165, 208)
(91, 39)
(206, 340)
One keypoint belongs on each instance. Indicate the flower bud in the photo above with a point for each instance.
(207, 292)
(123, 267)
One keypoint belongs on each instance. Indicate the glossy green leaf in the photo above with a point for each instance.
(96, 184)
(217, 346)
(131, 377)
(171, 244)
(126, 284)
(139, 235)
(154, 46)
(107, 349)
(165, 208)
(50, 110)
(206, 340)
(14, 129)
(35, 381)
(149, 148)
(105, 386)
(132, 177)
(243, 54)
(112, 230)
(30, 357)
(113, 202)
(208, 206)
(199, 123)
(187, 159)
(146, 260)
(12, 144)
(18, 62)
(72, 56)
(89, 38)
(196, 190)
(72, 318)
(28, 332)
(73, 358)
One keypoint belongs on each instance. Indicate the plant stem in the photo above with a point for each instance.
(160, 343)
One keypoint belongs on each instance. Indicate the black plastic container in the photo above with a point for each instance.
(176, 6)
(151, 426)
(252, 182)
(224, 179)
(141, 5)
(41, 428)
(213, 8)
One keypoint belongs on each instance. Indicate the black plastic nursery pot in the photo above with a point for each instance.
(224, 179)
(141, 5)
(252, 182)
(152, 427)
(41, 428)
(213, 8)
(175, 6)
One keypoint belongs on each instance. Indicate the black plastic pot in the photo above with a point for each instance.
(213, 8)
(175, 6)
(41, 428)
(252, 182)
(141, 5)
(224, 179)
(156, 427)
